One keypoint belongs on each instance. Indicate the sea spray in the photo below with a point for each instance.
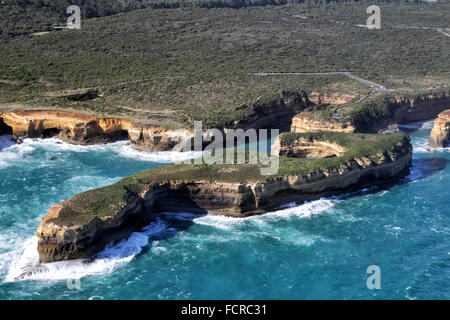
(26, 266)
(23, 264)
(321, 255)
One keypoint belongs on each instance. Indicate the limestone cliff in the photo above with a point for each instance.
(305, 148)
(440, 135)
(402, 110)
(333, 98)
(419, 108)
(389, 112)
(86, 129)
(307, 123)
(83, 225)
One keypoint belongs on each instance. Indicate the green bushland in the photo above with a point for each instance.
(108, 200)
(23, 17)
(175, 66)
(365, 115)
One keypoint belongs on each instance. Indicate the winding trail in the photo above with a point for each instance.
(371, 84)
(441, 31)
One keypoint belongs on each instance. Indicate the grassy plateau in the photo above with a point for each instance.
(173, 66)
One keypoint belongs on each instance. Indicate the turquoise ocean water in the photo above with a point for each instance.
(318, 250)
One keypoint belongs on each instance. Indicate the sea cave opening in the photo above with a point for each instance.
(50, 132)
(4, 128)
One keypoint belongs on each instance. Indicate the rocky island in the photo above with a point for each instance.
(81, 226)
(149, 89)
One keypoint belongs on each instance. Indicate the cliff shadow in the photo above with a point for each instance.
(5, 135)
(426, 167)
(173, 215)
(4, 128)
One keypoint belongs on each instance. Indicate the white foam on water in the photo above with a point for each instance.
(6, 141)
(421, 144)
(128, 151)
(23, 264)
(122, 148)
(13, 152)
(288, 211)
(421, 125)
(53, 144)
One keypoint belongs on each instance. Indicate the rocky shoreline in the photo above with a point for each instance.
(287, 112)
(81, 226)
(85, 129)
(440, 135)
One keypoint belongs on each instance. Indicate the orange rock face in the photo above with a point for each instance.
(306, 123)
(80, 240)
(334, 98)
(86, 129)
(440, 135)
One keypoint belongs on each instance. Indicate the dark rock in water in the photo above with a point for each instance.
(390, 129)
(29, 270)
(87, 261)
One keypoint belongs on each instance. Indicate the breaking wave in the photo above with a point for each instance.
(420, 143)
(23, 264)
(287, 212)
(122, 148)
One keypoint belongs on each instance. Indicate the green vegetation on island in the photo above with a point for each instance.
(110, 199)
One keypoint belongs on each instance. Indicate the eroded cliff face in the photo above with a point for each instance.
(61, 241)
(440, 135)
(402, 110)
(304, 148)
(334, 98)
(277, 113)
(158, 138)
(85, 129)
(420, 108)
(399, 110)
(307, 123)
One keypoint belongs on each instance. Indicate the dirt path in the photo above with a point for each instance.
(442, 31)
(377, 87)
